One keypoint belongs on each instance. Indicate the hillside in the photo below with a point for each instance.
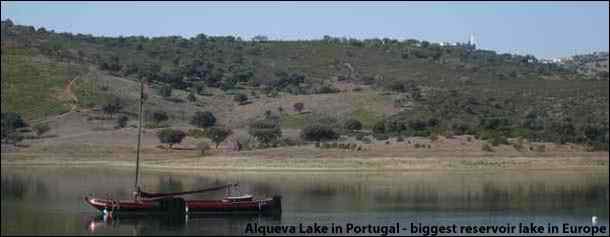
(594, 65)
(394, 88)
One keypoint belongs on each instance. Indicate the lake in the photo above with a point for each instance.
(49, 200)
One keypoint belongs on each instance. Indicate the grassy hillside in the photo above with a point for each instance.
(394, 88)
(33, 85)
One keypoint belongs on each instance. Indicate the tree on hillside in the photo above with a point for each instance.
(203, 119)
(171, 136)
(159, 116)
(122, 121)
(265, 131)
(318, 132)
(10, 123)
(299, 106)
(113, 106)
(218, 134)
(353, 124)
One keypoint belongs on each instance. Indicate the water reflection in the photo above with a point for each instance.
(307, 197)
(188, 224)
(17, 187)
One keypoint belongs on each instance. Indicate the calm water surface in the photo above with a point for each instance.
(50, 200)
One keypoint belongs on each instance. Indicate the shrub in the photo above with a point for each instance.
(379, 127)
(318, 132)
(113, 107)
(499, 140)
(366, 140)
(460, 128)
(218, 134)
(327, 90)
(171, 136)
(265, 131)
(359, 136)
(290, 142)
(159, 116)
(487, 148)
(203, 119)
(12, 121)
(352, 124)
(381, 136)
(41, 128)
(121, 122)
(298, 107)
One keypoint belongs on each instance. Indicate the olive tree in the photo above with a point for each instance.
(171, 136)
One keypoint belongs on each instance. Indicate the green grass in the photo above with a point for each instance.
(89, 94)
(293, 120)
(366, 117)
(368, 108)
(33, 88)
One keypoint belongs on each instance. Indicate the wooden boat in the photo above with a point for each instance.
(180, 206)
(173, 204)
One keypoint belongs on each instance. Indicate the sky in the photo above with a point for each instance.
(543, 29)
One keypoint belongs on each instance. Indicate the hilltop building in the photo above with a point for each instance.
(471, 44)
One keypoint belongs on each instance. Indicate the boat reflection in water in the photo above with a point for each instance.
(208, 224)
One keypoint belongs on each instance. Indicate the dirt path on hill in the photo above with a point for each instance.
(69, 93)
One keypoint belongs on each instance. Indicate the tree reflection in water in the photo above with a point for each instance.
(188, 224)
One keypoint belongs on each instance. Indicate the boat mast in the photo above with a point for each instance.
(136, 186)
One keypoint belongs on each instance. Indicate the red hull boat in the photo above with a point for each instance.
(175, 205)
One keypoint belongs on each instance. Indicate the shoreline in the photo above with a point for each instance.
(392, 164)
(308, 158)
